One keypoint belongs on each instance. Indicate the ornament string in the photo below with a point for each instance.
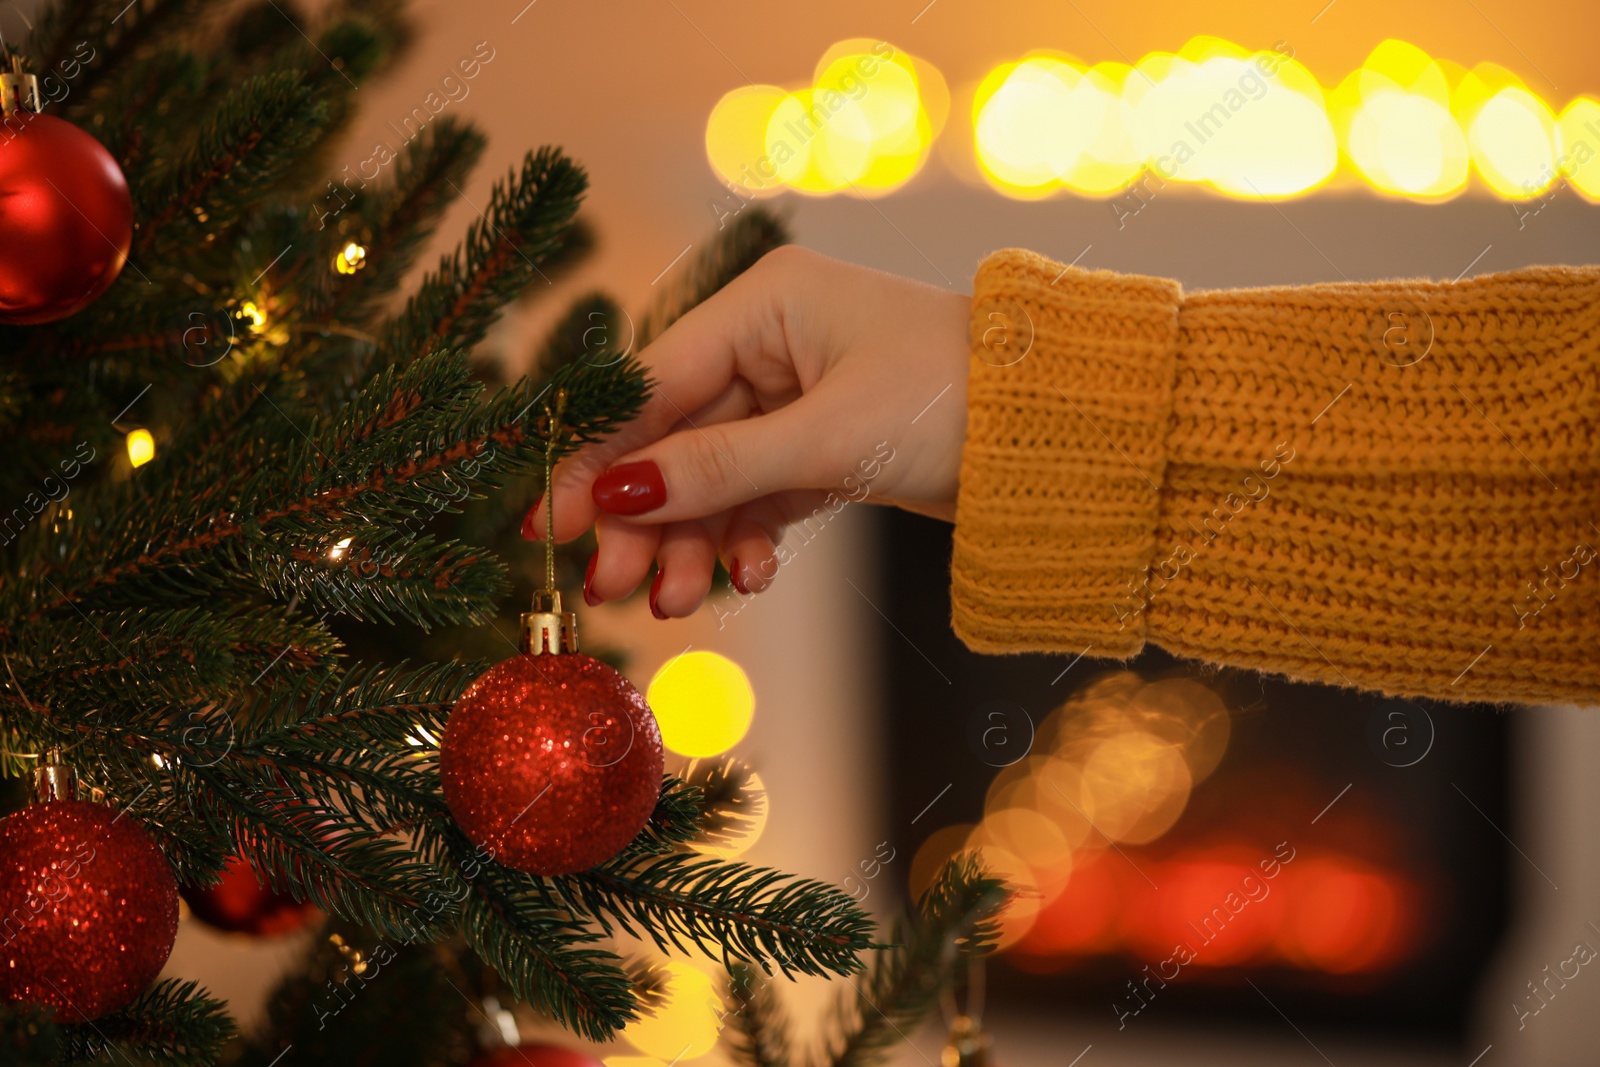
(552, 417)
(948, 1006)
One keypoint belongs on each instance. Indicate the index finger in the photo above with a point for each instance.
(691, 364)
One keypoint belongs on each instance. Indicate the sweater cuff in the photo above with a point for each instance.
(1069, 397)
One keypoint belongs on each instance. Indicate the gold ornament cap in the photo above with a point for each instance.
(547, 630)
(54, 780)
(19, 91)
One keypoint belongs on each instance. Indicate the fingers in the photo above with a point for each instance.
(683, 571)
(622, 561)
(692, 363)
(708, 469)
(749, 548)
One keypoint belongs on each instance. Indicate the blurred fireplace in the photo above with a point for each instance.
(1201, 848)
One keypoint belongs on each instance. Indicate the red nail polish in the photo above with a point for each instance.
(735, 578)
(588, 579)
(631, 489)
(655, 591)
(531, 526)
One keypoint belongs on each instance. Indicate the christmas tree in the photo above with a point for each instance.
(255, 513)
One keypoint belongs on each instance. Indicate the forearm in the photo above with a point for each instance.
(1308, 506)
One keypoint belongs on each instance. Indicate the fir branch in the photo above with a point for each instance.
(173, 1024)
(253, 137)
(731, 802)
(544, 954)
(357, 1000)
(955, 919)
(755, 232)
(118, 31)
(400, 217)
(726, 910)
(526, 221)
(758, 1031)
(675, 821)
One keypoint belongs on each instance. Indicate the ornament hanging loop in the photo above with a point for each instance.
(54, 779)
(19, 91)
(547, 629)
(968, 1043)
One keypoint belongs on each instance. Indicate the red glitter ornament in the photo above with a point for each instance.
(66, 218)
(551, 761)
(535, 1056)
(90, 907)
(242, 904)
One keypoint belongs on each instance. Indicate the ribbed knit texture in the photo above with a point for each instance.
(1391, 486)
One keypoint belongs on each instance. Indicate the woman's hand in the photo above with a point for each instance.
(796, 380)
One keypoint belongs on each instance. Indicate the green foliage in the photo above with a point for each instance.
(172, 1023)
(328, 462)
(526, 220)
(757, 1029)
(726, 910)
(358, 1000)
(955, 920)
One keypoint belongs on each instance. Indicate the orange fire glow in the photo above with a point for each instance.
(1071, 826)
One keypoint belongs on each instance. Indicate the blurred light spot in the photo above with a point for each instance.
(1511, 133)
(1342, 919)
(703, 703)
(861, 125)
(351, 259)
(1033, 839)
(141, 447)
(1398, 131)
(338, 551)
(1579, 127)
(255, 319)
(685, 1026)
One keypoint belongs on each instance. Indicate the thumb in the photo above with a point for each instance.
(704, 470)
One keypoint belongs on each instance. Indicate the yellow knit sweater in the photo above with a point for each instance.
(1391, 486)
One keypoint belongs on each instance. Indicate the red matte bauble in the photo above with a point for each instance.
(535, 1056)
(66, 219)
(90, 905)
(551, 763)
(242, 904)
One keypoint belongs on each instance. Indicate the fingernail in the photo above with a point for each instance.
(531, 527)
(631, 489)
(736, 578)
(655, 591)
(588, 579)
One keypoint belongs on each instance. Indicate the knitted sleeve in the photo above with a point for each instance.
(1391, 486)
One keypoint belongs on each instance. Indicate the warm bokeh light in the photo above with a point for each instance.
(141, 447)
(350, 259)
(255, 319)
(1241, 122)
(685, 1025)
(1397, 128)
(1579, 127)
(1112, 771)
(864, 124)
(703, 703)
(1511, 133)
